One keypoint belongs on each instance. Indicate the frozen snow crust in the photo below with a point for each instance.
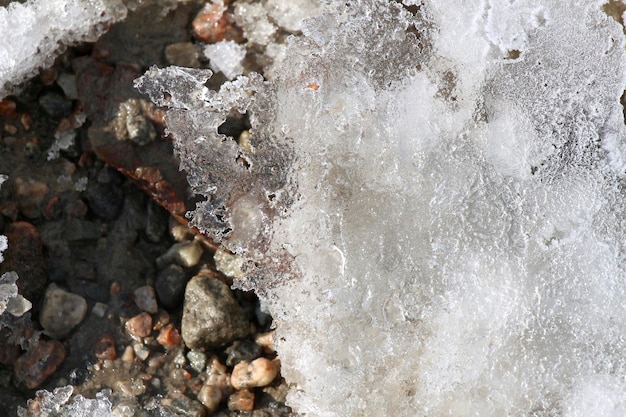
(33, 33)
(432, 204)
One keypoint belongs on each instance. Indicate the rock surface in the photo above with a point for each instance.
(211, 315)
(61, 311)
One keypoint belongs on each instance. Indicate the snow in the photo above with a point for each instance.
(431, 207)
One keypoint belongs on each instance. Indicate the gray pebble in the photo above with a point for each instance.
(145, 298)
(61, 311)
(211, 315)
(170, 286)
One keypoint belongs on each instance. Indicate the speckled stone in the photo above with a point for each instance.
(61, 311)
(211, 315)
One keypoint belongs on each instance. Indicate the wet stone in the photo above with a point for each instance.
(197, 360)
(210, 396)
(140, 325)
(61, 311)
(169, 337)
(39, 362)
(145, 298)
(187, 407)
(170, 286)
(211, 315)
(185, 254)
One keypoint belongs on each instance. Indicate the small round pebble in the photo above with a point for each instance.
(145, 298)
(210, 396)
(104, 348)
(140, 325)
(258, 373)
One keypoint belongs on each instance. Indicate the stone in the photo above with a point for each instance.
(258, 373)
(140, 325)
(170, 286)
(211, 315)
(197, 360)
(169, 337)
(104, 348)
(242, 350)
(145, 298)
(185, 254)
(31, 195)
(55, 105)
(241, 401)
(105, 199)
(39, 362)
(61, 311)
(210, 396)
(182, 54)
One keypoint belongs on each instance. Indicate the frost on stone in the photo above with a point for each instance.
(35, 32)
(227, 57)
(431, 202)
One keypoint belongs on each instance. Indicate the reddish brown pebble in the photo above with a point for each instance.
(39, 362)
(26, 120)
(140, 325)
(104, 348)
(115, 288)
(241, 400)
(8, 109)
(169, 337)
(213, 25)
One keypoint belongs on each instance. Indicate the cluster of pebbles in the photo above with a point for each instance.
(126, 300)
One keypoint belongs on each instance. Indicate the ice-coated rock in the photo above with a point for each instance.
(227, 57)
(34, 32)
(431, 204)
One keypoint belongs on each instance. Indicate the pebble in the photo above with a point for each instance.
(8, 108)
(258, 373)
(169, 337)
(99, 309)
(180, 232)
(156, 222)
(105, 199)
(39, 362)
(241, 401)
(145, 298)
(31, 195)
(104, 348)
(242, 350)
(61, 311)
(197, 360)
(26, 121)
(67, 82)
(212, 25)
(211, 315)
(141, 351)
(185, 254)
(182, 54)
(170, 286)
(229, 264)
(266, 341)
(140, 325)
(186, 406)
(55, 105)
(211, 397)
(128, 355)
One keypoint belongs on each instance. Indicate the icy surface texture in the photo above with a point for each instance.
(431, 201)
(226, 56)
(10, 300)
(34, 33)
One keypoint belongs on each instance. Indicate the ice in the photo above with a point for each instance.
(227, 57)
(34, 32)
(10, 301)
(253, 19)
(430, 203)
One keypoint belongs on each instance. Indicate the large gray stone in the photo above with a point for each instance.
(211, 315)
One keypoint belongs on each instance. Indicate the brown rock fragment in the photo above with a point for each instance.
(104, 348)
(169, 337)
(140, 325)
(212, 24)
(31, 195)
(39, 362)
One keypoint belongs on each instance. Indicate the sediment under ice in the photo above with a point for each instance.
(432, 204)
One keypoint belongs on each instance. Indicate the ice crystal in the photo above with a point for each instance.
(431, 202)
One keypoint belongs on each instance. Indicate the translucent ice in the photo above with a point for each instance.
(34, 32)
(431, 201)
